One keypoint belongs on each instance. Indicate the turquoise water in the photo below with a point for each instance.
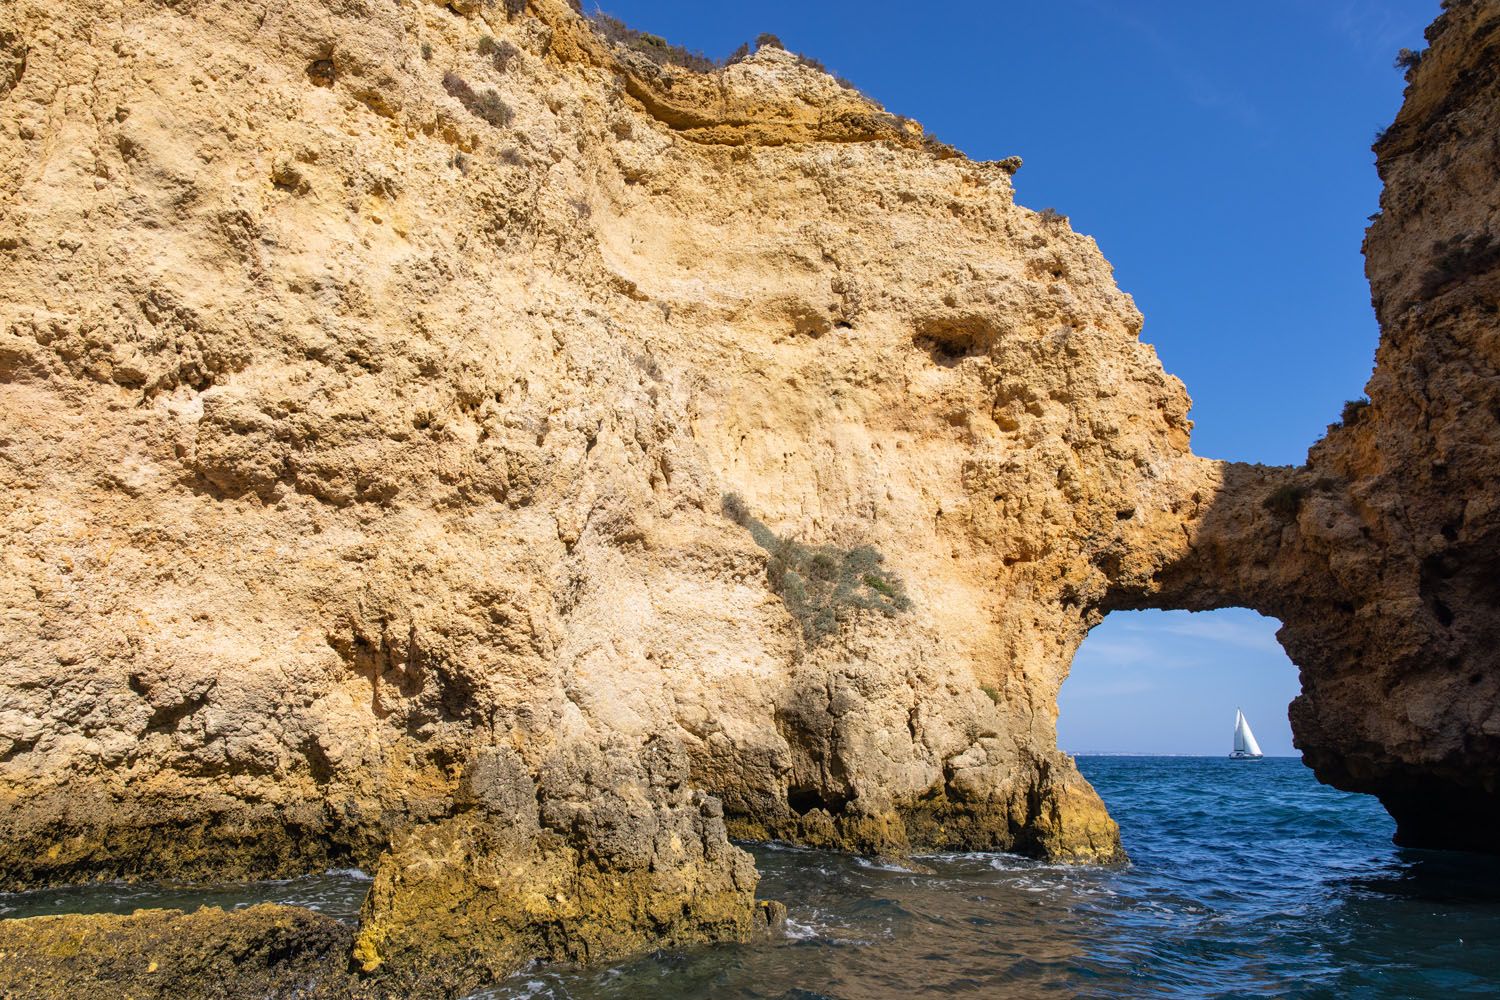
(1247, 879)
(336, 893)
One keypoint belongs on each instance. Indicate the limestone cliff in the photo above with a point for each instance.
(374, 373)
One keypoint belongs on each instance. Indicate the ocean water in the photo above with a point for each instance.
(1247, 879)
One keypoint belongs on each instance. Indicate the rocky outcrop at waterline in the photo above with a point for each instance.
(374, 375)
(261, 951)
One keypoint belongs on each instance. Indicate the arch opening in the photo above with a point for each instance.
(1169, 682)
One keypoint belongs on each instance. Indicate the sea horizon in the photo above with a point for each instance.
(1143, 753)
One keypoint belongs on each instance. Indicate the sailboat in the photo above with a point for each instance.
(1245, 747)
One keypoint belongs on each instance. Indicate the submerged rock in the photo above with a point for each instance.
(262, 951)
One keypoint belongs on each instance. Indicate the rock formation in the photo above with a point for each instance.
(374, 374)
(1382, 554)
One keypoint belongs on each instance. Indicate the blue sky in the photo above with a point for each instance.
(1220, 155)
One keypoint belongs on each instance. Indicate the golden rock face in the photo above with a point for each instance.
(372, 379)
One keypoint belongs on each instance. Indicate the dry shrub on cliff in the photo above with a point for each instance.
(501, 53)
(812, 62)
(1353, 410)
(822, 585)
(1409, 58)
(662, 52)
(486, 106)
(1051, 217)
(1285, 501)
(653, 47)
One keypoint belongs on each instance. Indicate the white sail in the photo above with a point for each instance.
(1244, 739)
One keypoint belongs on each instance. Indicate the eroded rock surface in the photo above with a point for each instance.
(373, 375)
(613, 854)
(262, 951)
(360, 420)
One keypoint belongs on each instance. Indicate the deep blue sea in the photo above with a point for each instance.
(1247, 879)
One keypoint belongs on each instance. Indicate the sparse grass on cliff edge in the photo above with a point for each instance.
(662, 52)
(822, 585)
(653, 47)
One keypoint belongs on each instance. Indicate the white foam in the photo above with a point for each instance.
(796, 930)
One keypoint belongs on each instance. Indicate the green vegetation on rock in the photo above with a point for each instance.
(822, 585)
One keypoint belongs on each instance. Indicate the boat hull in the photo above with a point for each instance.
(1246, 756)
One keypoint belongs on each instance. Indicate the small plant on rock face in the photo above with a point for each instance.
(812, 62)
(492, 109)
(940, 149)
(1353, 410)
(822, 585)
(766, 38)
(486, 106)
(1285, 501)
(1409, 58)
(501, 53)
(1051, 217)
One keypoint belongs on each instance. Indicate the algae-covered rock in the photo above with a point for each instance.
(610, 853)
(264, 951)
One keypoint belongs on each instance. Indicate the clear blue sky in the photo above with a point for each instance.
(1220, 155)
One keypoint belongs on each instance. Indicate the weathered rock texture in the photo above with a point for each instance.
(263, 951)
(373, 373)
(612, 854)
